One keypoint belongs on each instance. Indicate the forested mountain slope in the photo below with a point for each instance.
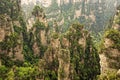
(39, 53)
(33, 47)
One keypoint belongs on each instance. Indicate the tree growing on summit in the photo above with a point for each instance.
(38, 12)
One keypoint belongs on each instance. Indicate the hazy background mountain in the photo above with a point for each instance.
(94, 14)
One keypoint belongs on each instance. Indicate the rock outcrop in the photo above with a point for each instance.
(111, 51)
(48, 54)
(11, 43)
(68, 51)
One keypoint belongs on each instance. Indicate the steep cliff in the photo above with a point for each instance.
(83, 54)
(10, 28)
(42, 52)
(111, 48)
(94, 14)
(71, 56)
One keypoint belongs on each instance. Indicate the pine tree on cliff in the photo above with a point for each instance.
(38, 12)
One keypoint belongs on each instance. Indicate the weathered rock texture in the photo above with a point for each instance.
(111, 52)
(71, 55)
(10, 39)
(68, 56)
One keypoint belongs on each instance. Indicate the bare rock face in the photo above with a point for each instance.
(36, 49)
(16, 23)
(104, 63)
(55, 43)
(66, 42)
(113, 58)
(11, 41)
(65, 52)
(18, 53)
(82, 42)
(76, 43)
(110, 57)
(56, 55)
(43, 37)
(39, 37)
(5, 26)
(64, 65)
(118, 73)
(108, 43)
(51, 56)
(35, 46)
(53, 50)
(116, 27)
(30, 23)
(111, 52)
(2, 35)
(116, 21)
(0, 63)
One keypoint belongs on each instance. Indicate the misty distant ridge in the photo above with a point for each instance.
(95, 12)
(47, 3)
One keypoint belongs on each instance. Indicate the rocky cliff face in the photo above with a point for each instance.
(111, 51)
(65, 53)
(46, 54)
(10, 42)
(96, 13)
(6, 26)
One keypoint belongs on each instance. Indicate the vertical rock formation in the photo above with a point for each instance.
(39, 36)
(11, 43)
(72, 55)
(83, 54)
(39, 31)
(111, 50)
(69, 56)
(64, 65)
(6, 26)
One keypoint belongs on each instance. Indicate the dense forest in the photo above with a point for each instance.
(69, 40)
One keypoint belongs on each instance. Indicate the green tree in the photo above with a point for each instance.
(25, 73)
(3, 72)
(10, 75)
(37, 11)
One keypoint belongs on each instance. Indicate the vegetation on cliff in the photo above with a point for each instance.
(39, 52)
